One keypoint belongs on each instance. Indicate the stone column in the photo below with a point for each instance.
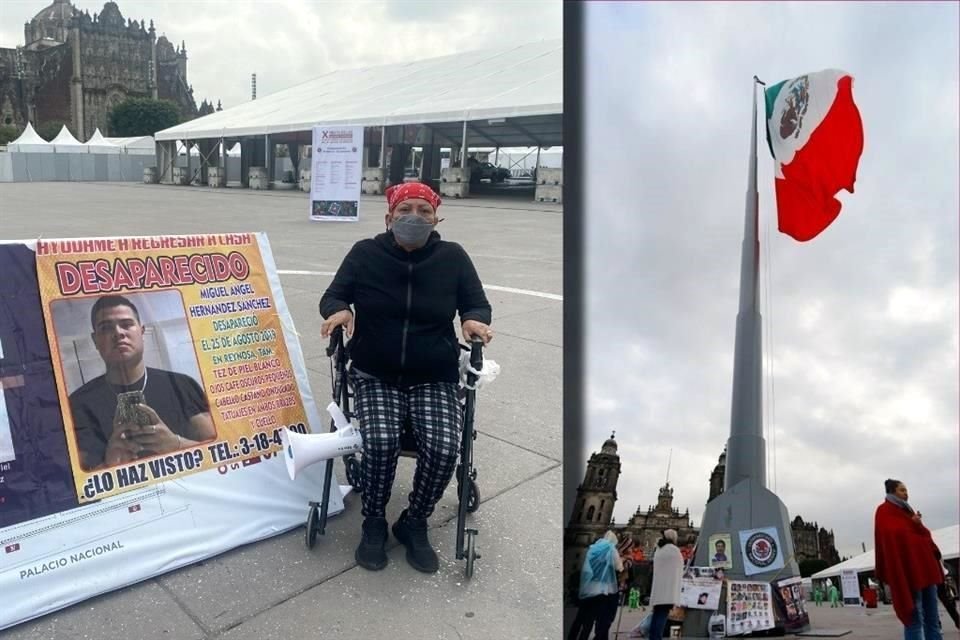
(76, 85)
(269, 161)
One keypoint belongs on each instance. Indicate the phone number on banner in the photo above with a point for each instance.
(175, 464)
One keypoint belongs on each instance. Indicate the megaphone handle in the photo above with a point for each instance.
(339, 419)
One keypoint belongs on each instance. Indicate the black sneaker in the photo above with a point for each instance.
(371, 554)
(412, 532)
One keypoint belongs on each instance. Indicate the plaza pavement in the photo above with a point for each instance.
(277, 588)
(862, 623)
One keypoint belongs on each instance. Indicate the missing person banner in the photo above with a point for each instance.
(207, 350)
(336, 173)
(788, 597)
(749, 607)
(169, 356)
(761, 550)
(700, 589)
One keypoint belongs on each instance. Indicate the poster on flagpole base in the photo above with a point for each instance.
(336, 173)
(749, 607)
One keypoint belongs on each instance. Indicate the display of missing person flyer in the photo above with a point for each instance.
(336, 172)
(144, 385)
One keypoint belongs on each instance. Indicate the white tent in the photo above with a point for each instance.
(66, 143)
(30, 142)
(494, 89)
(946, 539)
(98, 144)
(136, 145)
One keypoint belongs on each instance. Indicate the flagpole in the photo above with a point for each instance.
(746, 448)
(746, 504)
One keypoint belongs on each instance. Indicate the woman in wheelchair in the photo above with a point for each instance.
(406, 286)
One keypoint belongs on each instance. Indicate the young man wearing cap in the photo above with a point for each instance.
(405, 287)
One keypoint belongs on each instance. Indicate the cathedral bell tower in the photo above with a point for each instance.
(597, 493)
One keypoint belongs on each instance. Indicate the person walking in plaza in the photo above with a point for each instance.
(834, 596)
(667, 573)
(405, 287)
(599, 590)
(818, 596)
(906, 559)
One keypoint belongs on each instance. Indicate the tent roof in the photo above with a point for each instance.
(65, 138)
(145, 142)
(512, 95)
(97, 138)
(29, 136)
(947, 539)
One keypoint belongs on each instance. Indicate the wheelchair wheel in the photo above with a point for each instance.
(354, 476)
(470, 553)
(313, 521)
(473, 496)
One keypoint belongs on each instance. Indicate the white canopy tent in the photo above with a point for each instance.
(30, 142)
(98, 144)
(137, 145)
(66, 143)
(511, 96)
(946, 539)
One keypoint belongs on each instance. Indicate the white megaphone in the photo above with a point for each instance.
(302, 450)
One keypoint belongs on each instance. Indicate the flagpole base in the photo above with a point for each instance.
(746, 505)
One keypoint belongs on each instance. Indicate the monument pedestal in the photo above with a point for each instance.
(746, 505)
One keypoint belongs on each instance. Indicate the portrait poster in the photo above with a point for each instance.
(788, 598)
(212, 311)
(336, 173)
(749, 607)
(700, 589)
(761, 550)
(204, 349)
(721, 551)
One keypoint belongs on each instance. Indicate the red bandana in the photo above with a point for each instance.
(410, 190)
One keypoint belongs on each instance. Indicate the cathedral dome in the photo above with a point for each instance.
(610, 446)
(52, 21)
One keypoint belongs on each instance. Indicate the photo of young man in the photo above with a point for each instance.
(133, 411)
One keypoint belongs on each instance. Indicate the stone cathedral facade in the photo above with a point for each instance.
(74, 68)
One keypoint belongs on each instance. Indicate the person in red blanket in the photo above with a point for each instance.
(906, 560)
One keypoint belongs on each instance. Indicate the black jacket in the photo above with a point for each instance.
(404, 305)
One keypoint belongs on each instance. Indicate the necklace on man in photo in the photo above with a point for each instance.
(142, 387)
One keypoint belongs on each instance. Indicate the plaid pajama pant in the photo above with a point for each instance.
(435, 414)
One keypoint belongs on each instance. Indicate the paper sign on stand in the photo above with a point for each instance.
(336, 173)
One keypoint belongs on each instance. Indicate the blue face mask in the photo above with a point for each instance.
(410, 230)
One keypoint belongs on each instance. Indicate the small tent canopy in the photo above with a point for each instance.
(98, 144)
(66, 143)
(30, 142)
(136, 145)
(946, 539)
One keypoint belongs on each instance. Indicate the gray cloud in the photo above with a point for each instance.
(862, 323)
(286, 42)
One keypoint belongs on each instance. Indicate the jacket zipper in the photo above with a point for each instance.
(406, 321)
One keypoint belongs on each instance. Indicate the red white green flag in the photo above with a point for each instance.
(816, 137)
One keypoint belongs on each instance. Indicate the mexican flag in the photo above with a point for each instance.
(816, 138)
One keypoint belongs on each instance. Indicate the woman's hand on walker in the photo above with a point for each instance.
(340, 318)
(474, 329)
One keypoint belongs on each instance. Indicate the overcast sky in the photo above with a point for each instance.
(864, 318)
(287, 42)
